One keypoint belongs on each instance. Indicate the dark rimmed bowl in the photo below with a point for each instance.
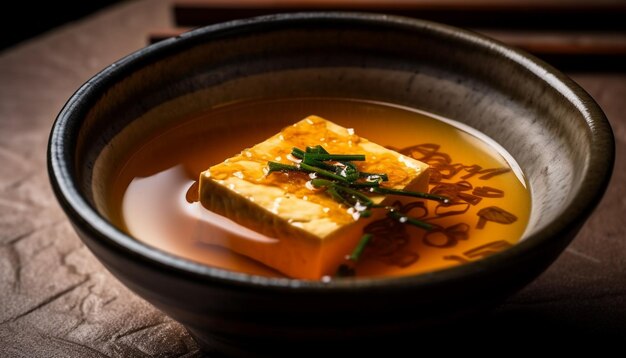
(555, 131)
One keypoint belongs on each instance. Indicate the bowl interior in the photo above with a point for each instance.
(529, 110)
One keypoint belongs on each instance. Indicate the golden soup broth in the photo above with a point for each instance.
(148, 198)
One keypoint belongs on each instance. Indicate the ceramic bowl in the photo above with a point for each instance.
(555, 131)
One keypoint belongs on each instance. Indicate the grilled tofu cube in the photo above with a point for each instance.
(314, 232)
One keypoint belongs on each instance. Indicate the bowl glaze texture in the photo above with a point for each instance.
(555, 131)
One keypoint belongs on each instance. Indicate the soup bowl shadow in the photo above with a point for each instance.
(555, 131)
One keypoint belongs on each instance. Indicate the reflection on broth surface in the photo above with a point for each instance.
(151, 197)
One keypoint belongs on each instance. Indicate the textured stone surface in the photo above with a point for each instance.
(56, 300)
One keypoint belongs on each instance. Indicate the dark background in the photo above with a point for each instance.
(25, 19)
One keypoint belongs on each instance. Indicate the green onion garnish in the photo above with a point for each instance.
(374, 176)
(353, 197)
(317, 149)
(364, 184)
(347, 170)
(415, 194)
(318, 164)
(358, 250)
(409, 220)
(338, 197)
(335, 157)
(359, 196)
(322, 172)
(298, 153)
(280, 167)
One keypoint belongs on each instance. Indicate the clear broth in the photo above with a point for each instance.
(148, 197)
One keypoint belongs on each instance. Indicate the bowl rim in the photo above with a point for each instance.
(85, 218)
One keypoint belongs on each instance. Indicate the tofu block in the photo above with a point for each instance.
(314, 232)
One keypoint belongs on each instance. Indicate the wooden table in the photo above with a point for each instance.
(57, 300)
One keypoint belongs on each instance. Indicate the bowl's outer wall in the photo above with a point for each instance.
(555, 131)
(226, 319)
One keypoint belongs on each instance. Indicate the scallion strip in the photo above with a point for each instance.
(366, 175)
(348, 170)
(280, 167)
(362, 198)
(322, 172)
(321, 165)
(415, 194)
(297, 152)
(317, 182)
(409, 220)
(338, 197)
(316, 149)
(364, 184)
(339, 189)
(336, 157)
(358, 250)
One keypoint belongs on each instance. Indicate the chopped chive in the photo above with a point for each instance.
(338, 197)
(375, 176)
(321, 165)
(335, 157)
(347, 170)
(344, 194)
(347, 269)
(317, 149)
(297, 152)
(415, 194)
(364, 184)
(280, 167)
(322, 172)
(409, 220)
(360, 197)
(358, 250)
(321, 182)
